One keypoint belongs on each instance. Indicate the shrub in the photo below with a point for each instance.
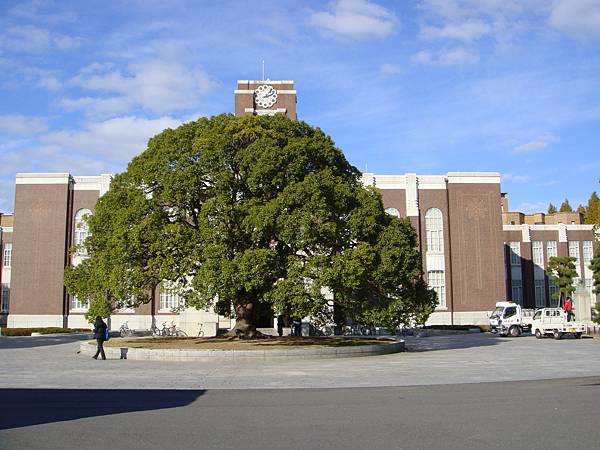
(44, 330)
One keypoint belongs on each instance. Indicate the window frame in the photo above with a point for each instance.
(434, 231)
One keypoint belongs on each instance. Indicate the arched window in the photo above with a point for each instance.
(82, 230)
(392, 212)
(434, 230)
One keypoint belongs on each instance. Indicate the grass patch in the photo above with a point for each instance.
(46, 330)
(222, 343)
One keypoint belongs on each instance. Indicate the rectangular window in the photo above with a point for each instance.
(7, 260)
(517, 291)
(538, 253)
(169, 300)
(588, 253)
(436, 280)
(551, 249)
(5, 298)
(540, 293)
(78, 305)
(574, 253)
(553, 292)
(515, 253)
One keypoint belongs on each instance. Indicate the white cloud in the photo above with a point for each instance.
(117, 139)
(390, 69)
(33, 39)
(539, 143)
(471, 21)
(18, 124)
(355, 19)
(579, 18)
(466, 31)
(97, 106)
(15, 73)
(447, 57)
(510, 178)
(157, 86)
(50, 83)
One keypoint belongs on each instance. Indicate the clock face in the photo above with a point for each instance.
(265, 96)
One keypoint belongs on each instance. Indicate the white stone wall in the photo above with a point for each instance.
(34, 320)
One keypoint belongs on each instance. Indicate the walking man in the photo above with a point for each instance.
(100, 336)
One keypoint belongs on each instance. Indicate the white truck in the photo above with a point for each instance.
(553, 322)
(510, 319)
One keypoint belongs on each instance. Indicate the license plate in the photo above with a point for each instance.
(572, 330)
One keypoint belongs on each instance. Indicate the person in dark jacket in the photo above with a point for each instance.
(100, 335)
(280, 325)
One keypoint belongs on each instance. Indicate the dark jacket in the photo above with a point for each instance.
(100, 329)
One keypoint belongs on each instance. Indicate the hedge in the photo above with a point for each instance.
(48, 330)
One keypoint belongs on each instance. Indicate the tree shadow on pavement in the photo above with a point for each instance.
(25, 407)
(453, 341)
(40, 341)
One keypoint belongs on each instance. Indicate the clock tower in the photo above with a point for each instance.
(265, 97)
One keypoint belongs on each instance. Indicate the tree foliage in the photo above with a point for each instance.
(562, 270)
(565, 206)
(243, 213)
(592, 211)
(552, 209)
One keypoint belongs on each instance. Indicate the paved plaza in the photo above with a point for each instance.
(446, 392)
(53, 362)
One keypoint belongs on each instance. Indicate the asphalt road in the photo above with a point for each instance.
(543, 414)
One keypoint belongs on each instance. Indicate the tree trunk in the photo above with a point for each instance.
(245, 323)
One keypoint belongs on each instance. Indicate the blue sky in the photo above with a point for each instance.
(427, 86)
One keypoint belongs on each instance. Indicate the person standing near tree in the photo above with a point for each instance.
(100, 336)
(280, 325)
(569, 308)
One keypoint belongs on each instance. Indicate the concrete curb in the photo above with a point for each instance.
(89, 349)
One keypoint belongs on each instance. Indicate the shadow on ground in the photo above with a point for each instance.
(458, 341)
(25, 407)
(40, 341)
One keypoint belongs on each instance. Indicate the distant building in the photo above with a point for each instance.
(475, 252)
(6, 232)
(531, 240)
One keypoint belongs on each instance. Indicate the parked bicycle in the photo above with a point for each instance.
(156, 332)
(200, 330)
(173, 331)
(125, 331)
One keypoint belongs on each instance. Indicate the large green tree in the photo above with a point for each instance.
(562, 270)
(248, 213)
(552, 209)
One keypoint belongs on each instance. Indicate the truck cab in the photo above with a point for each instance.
(509, 318)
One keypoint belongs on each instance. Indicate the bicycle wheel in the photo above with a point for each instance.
(181, 333)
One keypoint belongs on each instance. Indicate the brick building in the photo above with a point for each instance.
(475, 252)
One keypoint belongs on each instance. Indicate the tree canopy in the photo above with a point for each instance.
(243, 213)
(552, 209)
(592, 211)
(562, 270)
(565, 206)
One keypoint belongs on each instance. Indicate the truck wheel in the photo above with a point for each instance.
(538, 334)
(557, 335)
(514, 331)
(577, 335)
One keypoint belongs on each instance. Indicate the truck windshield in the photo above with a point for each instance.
(497, 312)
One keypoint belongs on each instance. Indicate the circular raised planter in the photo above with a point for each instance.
(89, 349)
